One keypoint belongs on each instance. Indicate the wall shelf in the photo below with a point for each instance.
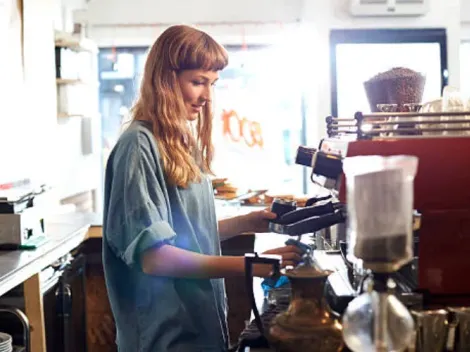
(81, 115)
(69, 81)
(63, 81)
(63, 115)
(67, 40)
(78, 121)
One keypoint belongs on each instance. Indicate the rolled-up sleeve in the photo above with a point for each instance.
(137, 215)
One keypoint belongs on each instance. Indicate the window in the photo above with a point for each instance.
(258, 120)
(358, 55)
(120, 71)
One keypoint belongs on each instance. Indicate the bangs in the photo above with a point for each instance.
(204, 53)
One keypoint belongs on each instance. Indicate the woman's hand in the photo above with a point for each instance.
(291, 255)
(257, 221)
(254, 222)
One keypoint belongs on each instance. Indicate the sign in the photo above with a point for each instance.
(242, 130)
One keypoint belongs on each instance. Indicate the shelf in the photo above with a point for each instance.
(67, 40)
(69, 81)
(63, 115)
(63, 81)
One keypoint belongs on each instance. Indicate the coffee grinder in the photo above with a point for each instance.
(380, 232)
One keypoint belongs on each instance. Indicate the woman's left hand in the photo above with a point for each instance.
(257, 221)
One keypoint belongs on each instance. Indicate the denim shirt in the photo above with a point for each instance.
(141, 211)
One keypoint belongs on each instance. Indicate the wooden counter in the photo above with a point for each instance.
(64, 233)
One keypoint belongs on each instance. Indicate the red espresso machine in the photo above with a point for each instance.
(441, 141)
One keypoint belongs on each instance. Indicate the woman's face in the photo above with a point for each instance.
(196, 86)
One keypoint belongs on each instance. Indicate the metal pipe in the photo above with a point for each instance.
(414, 114)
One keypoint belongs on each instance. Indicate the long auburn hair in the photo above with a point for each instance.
(185, 154)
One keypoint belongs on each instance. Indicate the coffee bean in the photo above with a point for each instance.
(397, 86)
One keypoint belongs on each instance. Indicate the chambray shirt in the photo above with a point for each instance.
(141, 211)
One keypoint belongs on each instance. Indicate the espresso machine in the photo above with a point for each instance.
(433, 285)
(440, 141)
(441, 194)
(393, 187)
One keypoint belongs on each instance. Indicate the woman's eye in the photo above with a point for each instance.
(197, 83)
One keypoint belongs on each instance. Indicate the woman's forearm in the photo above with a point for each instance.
(171, 261)
(231, 227)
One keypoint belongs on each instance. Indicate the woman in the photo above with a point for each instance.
(161, 249)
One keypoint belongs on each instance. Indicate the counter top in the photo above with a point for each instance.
(64, 233)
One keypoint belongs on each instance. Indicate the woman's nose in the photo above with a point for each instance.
(207, 93)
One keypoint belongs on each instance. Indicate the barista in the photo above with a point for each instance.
(162, 262)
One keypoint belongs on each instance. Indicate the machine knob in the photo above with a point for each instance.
(324, 164)
(328, 165)
(305, 156)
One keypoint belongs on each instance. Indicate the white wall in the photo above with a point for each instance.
(139, 22)
(465, 10)
(465, 19)
(158, 11)
(28, 98)
(117, 22)
(33, 143)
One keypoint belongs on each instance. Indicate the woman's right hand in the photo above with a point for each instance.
(291, 256)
